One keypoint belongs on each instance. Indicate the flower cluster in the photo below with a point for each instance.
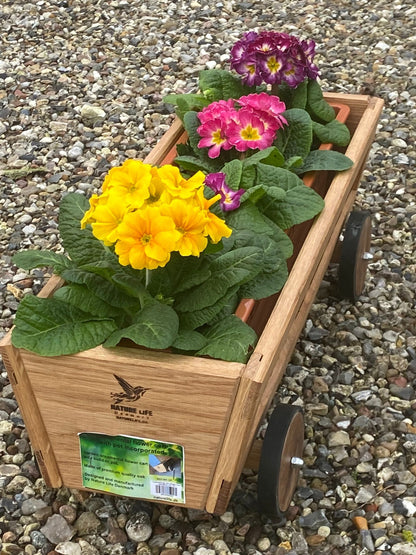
(273, 58)
(252, 126)
(149, 212)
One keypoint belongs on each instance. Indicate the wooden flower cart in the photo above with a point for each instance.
(211, 408)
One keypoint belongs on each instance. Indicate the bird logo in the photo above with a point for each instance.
(129, 394)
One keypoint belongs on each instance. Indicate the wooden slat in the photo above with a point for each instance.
(164, 146)
(235, 440)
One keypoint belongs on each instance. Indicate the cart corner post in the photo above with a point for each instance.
(238, 438)
(22, 388)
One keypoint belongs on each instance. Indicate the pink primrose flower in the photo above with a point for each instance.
(220, 109)
(214, 136)
(249, 131)
(266, 106)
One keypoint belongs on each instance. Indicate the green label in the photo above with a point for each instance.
(133, 467)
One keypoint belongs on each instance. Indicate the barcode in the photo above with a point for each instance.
(161, 488)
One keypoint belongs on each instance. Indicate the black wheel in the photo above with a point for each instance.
(280, 461)
(355, 255)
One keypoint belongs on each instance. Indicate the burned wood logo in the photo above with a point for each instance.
(129, 393)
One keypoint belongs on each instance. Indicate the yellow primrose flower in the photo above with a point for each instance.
(190, 221)
(146, 239)
(176, 185)
(216, 228)
(107, 219)
(89, 214)
(131, 180)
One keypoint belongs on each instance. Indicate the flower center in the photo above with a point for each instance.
(273, 64)
(250, 133)
(217, 138)
(145, 239)
(251, 68)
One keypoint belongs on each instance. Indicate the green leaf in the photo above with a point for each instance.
(300, 95)
(233, 172)
(104, 268)
(248, 177)
(272, 256)
(104, 289)
(131, 285)
(50, 327)
(197, 318)
(37, 259)
(186, 102)
(229, 308)
(333, 132)
(219, 84)
(325, 160)
(276, 193)
(195, 164)
(191, 123)
(295, 139)
(156, 327)
(300, 203)
(265, 284)
(79, 295)
(317, 105)
(189, 340)
(277, 177)
(182, 273)
(293, 162)
(254, 193)
(80, 244)
(229, 269)
(248, 216)
(229, 340)
(283, 242)
(285, 93)
(271, 156)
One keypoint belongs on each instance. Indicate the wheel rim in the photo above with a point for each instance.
(277, 478)
(289, 473)
(354, 255)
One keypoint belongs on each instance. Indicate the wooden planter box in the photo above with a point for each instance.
(210, 407)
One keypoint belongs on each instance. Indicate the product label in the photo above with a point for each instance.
(133, 467)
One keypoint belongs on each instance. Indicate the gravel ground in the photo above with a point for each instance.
(354, 367)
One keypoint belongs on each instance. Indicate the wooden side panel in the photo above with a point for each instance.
(288, 313)
(280, 334)
(188, 402)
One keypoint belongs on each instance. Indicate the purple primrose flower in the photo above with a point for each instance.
(230, 199)
(273, 58)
